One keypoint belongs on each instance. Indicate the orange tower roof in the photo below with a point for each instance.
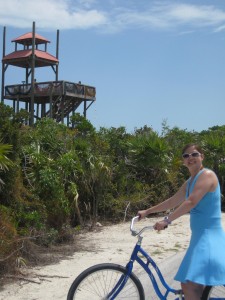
(21, 58)
(26, 39)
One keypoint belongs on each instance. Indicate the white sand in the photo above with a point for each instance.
(110, 244)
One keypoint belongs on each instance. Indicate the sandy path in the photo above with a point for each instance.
(110, 244)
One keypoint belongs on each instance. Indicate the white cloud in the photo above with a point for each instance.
(220, 28)
(167, 16)
(193, 14)
(87, 3)
(110, 16)
(49, 14)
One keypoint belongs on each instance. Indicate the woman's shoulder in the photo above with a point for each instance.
(210, 177)
(209, 172)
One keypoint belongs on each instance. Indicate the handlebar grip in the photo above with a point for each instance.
(133, 231)
(132, 225)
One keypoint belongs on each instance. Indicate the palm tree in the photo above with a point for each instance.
(5, 162)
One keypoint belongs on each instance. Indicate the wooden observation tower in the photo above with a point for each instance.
(56, 99)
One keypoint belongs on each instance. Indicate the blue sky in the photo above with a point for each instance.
(150, 61)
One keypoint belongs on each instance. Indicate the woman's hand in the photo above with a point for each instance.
(161, 225)
(142, 214)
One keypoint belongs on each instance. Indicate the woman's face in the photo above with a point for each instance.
(192, 158)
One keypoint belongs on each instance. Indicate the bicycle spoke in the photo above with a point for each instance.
(101, 283)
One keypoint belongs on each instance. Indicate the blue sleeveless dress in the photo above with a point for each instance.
(204, 261)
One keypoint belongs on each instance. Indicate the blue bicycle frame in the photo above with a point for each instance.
(136, 255)
(129, 267)
(145, 266)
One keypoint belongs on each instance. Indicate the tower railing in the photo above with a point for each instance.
(50, 88)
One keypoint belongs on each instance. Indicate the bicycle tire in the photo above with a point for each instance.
(214, 293)
(96, 283)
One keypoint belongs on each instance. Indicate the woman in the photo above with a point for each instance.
(204, 261)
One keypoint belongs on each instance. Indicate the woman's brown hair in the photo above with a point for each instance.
(197, 147)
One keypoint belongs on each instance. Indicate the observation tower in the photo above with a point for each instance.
(57, 99)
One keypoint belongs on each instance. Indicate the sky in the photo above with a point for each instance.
(151, 61)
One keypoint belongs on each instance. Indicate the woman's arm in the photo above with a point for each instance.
(206, 182)
(170, 203)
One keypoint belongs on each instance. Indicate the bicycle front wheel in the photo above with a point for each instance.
(100, 281)
(214, 293)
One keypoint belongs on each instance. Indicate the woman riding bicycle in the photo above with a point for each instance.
(204, 261)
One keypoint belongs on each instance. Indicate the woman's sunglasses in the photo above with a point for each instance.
(193, 154)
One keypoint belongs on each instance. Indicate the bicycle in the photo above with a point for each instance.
(108, 281)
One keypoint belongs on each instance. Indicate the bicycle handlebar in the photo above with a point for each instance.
(133, 231)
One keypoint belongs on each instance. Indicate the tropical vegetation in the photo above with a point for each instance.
(55, 179)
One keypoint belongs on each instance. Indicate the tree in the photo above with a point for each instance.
(5, 162)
